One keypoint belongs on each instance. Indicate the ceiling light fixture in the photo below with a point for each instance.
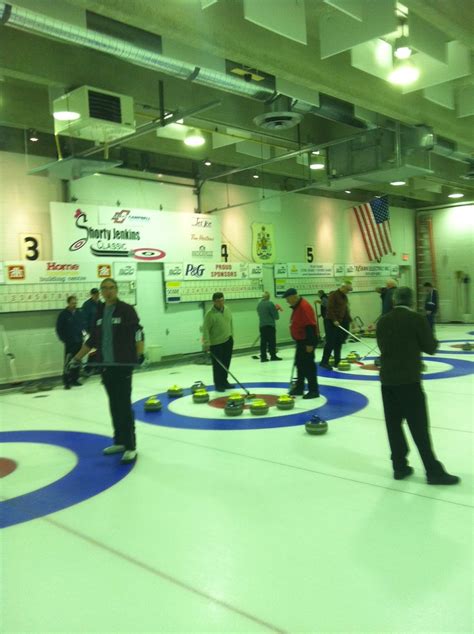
(207, 163)
(255, 175)
(348, 191)
(194, 138)
(66, 115)
(33, 136)
(398, 183)
(315, 152)
(316, 166)
(456, 195)
(404, 73)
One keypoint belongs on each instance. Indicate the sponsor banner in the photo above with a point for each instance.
(89, 232)
(295, 269)
(263, 242)
(173, 292)
(212, 271)
(371, 270)
(56, 271)
(125, 271)
(281, 270)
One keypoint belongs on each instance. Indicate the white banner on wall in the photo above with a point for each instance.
(212, 271)
(366, 270)
(303, 269)
(89, 232)
(38, 272)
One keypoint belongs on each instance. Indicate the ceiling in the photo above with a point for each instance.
(222, 63)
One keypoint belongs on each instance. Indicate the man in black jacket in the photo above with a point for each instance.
(431, 303)
(118, 338)
(69, 330)
(402, 334)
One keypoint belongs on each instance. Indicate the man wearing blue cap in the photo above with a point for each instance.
(303, 331)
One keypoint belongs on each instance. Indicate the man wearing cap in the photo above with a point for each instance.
(89, 310)
(337, 314)
(303, 331)
(217, 335)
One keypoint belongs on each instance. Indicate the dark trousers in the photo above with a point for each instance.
(70, 349)
(334, 339)
(431, 320)
(118, 385)
(267, 341)
(408, 402)
(223, 352)
(305, 368)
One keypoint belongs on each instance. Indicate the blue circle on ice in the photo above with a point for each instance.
(340, 402)
(92, 474)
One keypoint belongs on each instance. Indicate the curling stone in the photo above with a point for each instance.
(285, 401)
(152, 404)
(467, 346)
(198, 385)
(174, 391)
(316, 426)
(353, 356)
(259, 407)
(233, 408)
(201, 396)
(344, 366)
(236, 398)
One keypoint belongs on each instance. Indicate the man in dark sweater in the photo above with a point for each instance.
(303, 331)
(118, 338)
(337, 314)
(402, 335)
(431, 303)
(69, 330)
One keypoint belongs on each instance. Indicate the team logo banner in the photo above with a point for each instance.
(144, 235)
(263, 242)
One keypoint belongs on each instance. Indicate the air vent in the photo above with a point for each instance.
(104, 106)
(103, 115)
(277, 120)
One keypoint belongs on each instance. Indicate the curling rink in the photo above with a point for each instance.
(244, 524)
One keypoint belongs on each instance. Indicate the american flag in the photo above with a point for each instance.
(373, 219)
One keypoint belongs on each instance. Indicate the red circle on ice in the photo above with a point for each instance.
(7, 466)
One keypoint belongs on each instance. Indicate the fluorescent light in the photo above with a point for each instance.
(348, 191)
(180, 121)
(34, 136)
(207, 163)
(404, 73)
(315, 152)
(194, 138)
(66, 115)
(316, 166)
(398, 183)
(255, 175)
(455, 195)
(403, 52)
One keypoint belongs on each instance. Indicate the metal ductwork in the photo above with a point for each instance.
(46, 26)
(279, 115)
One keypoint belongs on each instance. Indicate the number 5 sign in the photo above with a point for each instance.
(31, 246)
(309, 254)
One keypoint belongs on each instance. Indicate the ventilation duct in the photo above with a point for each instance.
(46, 26)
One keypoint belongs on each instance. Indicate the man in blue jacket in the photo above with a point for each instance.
(69, 330)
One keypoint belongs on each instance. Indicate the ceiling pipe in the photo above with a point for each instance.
(43, 25)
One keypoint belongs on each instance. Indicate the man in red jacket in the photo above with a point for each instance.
(303, 331)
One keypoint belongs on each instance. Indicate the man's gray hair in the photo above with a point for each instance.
(403, 296)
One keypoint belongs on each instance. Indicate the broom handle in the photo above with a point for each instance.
(227, 370)
(357, 338)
